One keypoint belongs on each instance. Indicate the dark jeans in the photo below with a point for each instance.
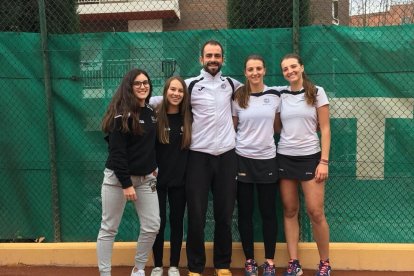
(177, 202)
(266, 196)
(218, 173)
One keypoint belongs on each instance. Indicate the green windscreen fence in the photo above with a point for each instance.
(366, 71)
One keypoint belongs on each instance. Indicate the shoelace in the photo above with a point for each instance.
(250, 265)
(268, 268)
(292, 266)
(323, 268)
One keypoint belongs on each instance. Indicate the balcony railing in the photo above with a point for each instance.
(110, 1)
(96, 7)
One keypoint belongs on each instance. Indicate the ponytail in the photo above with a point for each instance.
(310, 90)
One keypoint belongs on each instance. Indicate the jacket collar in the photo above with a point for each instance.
(207, 75)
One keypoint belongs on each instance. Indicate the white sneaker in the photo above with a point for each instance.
(157, 271)
(173, 271)
(137, 272)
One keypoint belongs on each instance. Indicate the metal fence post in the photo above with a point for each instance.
(51, 123)
(295, 27)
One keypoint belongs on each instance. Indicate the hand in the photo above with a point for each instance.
(321, 173)
(130, 194)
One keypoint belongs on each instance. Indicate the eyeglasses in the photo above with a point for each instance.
(139, 83)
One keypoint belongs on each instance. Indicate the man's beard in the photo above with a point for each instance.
(214, 71)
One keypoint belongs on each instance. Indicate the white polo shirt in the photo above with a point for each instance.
(299, 122)
(254, 137)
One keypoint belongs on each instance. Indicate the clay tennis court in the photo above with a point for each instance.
(125, 271)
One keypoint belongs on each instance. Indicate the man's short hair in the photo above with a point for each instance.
(212, 42)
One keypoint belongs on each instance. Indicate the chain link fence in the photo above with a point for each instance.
(62, 60)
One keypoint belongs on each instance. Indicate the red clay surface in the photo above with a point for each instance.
(125, 271)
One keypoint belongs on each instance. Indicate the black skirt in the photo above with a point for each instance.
(256, 170)
(298, 167)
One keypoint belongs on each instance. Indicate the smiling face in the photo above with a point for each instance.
(292, 71)
(141, 88)
(255, 71)
(212, 59)
(175, 94)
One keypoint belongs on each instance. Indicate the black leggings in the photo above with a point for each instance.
(266, 195)
(177, 202)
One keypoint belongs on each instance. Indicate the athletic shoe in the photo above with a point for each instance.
(324, 268)
(250, 268)
(173, 271)
(294, 268)
(137, 272)
(222, 272)
(157, 271)
(193, 273)
(268, 269)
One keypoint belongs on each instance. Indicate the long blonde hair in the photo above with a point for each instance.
(185, 111)
(308, 85)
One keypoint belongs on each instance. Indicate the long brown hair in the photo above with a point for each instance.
(242, 94)
(125, 103)
(185, 111)
(308, 85)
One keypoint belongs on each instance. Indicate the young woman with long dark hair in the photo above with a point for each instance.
(129, 175)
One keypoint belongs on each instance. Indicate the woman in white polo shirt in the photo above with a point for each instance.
(254, 109)
(303, 158)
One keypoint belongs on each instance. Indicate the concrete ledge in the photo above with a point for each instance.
(344, 256)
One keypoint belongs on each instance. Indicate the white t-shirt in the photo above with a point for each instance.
(254, 136)
(299, 122)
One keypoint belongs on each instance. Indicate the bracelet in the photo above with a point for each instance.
(324, 162)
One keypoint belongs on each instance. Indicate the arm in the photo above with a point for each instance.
(235, 122)
(155, 101)
(322, 169)
(277, 125)
(118, 151)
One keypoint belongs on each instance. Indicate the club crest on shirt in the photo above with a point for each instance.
(223, 85)
(154, 120)
(266, 100)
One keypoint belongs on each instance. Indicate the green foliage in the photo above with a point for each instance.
(23, 16)
(247, 14)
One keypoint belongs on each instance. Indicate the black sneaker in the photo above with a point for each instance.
(250, 268)
(268, 269)
(294, 269)
(324, 269)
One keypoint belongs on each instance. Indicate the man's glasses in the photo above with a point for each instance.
(139, 83)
